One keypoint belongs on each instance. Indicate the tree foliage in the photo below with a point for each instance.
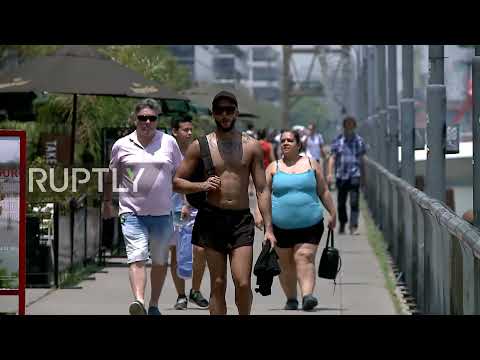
(310, 109)
(154, 62)
(54, 112)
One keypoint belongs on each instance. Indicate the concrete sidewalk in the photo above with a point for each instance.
(360, 289)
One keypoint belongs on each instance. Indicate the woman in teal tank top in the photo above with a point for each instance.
(299, 194)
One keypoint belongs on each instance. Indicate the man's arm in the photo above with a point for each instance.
(264, 195)
(187, 168)
(323, 153)
(268, 178)
(331, 165)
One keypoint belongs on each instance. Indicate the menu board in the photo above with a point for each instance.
(9, 212)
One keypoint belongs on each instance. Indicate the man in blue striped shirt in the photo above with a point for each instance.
(347, 156)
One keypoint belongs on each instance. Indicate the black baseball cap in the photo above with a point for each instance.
(224, 95)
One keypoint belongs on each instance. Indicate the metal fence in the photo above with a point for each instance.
(436, 251)
(59, 239)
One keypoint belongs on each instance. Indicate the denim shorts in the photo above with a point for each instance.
(141, 231)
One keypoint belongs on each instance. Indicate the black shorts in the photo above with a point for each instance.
(288, 238)
(223, 229)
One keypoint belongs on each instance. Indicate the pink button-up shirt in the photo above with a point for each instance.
(145, 173)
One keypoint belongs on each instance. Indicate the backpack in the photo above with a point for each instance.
(198, 200)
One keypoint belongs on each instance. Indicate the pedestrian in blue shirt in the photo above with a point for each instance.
(347, 158)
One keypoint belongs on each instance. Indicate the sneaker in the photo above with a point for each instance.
(197, 298)
(153, 310)
(292, 304)
(354, 230)
(137, 308)
(309, 302)
(341, 231)
(181, 303)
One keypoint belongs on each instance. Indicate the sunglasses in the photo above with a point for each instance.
(146, 117)
(218, 110)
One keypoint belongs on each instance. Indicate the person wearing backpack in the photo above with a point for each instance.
(299, 194)
(183, 219)
(224, 225)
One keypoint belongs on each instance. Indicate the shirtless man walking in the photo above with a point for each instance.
(225, 226)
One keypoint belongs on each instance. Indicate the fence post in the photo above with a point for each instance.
(72, 229)
(382, 105)
(371, 100)
(393, 124)
(476, 290)
(56, 214)
(476, 164)
(436, 125)
(476, 134)
(85, 246)
(408, 117)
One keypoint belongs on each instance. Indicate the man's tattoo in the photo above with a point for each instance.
(229, 147)
(246, 138)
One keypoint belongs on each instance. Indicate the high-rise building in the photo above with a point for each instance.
(199, 59)
(231, 64)
(264, 76)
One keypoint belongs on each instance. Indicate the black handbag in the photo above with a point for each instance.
(330, 262)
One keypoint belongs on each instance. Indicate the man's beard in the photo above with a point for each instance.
(221, 128)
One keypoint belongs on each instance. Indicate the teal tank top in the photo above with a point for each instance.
(295, 202)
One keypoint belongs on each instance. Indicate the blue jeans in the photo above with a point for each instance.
(345, 187)
(139, 231)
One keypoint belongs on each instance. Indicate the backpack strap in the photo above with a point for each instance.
(206, 156)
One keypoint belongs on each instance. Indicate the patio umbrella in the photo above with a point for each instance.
(82, 70)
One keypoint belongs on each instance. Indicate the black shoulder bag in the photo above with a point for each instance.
(198, 200)
(330, 262)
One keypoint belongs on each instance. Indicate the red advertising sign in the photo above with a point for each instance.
(13, 215)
